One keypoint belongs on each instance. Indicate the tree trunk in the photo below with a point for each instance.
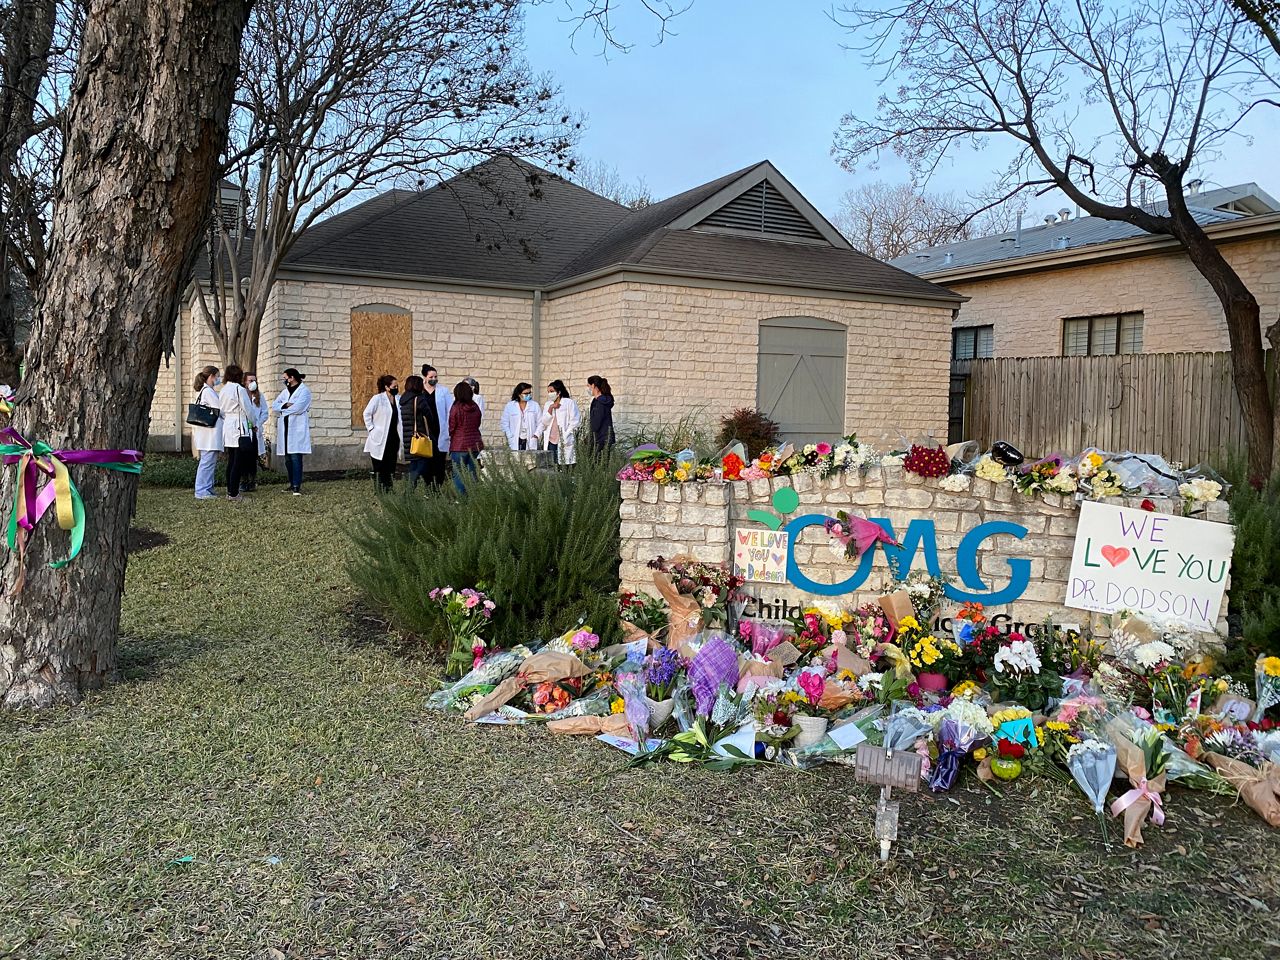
(1244, 332)
(148, 120)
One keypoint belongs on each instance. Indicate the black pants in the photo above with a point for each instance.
(436, 470)
(385, 468)
(238, 459)
(249, 475)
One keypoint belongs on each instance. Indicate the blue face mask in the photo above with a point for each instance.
(526, 396)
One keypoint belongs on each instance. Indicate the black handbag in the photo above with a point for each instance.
(202, 415)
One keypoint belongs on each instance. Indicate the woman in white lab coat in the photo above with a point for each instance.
(560, 418)
(293, 427)
(206, 442)
(237, 430)
(259, 411)
(522, 419)
(382, 422)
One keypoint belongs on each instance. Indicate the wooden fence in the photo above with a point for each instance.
(1180, 405)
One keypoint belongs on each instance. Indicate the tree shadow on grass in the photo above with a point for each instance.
(147, 659)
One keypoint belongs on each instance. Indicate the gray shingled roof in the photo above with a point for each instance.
(1079, 232)
(491, 225)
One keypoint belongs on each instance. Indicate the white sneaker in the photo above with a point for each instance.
(207, 496)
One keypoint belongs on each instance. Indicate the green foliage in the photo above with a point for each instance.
(179, 470)
(1255, 571)
(755, 430)
(543, 545)
(692, 431)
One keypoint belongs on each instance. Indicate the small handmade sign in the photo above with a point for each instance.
(1170, 567)
(44, 481)
(760, 555)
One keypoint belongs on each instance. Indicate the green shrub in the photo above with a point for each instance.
(1255, 572)
(544, 545)
(692, 431)
(179, 470)
(755, 431)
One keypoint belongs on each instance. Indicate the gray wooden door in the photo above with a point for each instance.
(800, 377)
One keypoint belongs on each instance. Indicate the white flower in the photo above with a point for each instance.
(956, 483)
(869, 681)
(1087, 746)
(1018, 657)
(1200, 488)
(919, 589)
(1062, 483)
(988, 469)
(967, 712)
(892, 459)
(1150, 654)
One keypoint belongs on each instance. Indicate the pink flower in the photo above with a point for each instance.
(477, 654)
(744, 629)
(812, 684)
(472, 602)
(489, 605)
(434, 594)
(583, 640)
(1141, 713)
(839, 637)
(823, 449)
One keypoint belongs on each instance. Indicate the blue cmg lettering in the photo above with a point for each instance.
(920, 533)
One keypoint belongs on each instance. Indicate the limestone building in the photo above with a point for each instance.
(737, 293)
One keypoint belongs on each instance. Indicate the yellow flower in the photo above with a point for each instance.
(1057, 726)
(1271, 666)
(681, 474)
(980, 754)
(617, 705)
(1009, 713)
(660, 473)
(966, 688)
(908, 623)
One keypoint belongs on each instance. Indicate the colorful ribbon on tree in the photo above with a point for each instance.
(38, 461)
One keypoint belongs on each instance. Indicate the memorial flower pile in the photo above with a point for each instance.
(466, 613)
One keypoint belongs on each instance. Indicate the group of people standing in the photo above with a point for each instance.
(441, 428)
(432, 428)
(237, 429)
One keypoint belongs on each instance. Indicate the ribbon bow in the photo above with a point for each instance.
(1140, 792)
(37, 461)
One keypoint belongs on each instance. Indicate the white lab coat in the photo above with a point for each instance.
(444, 403)
(237, 415)
(207, 438)
(293, 427)
(259, 412)
(567, 419)
(511, 423)
(381, 416)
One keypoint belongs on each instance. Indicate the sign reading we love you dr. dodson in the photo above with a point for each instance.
(1152, 563)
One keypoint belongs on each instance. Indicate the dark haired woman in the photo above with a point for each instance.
(560, 418)
(206, 442)
(382, 421)
(238, 418)
(522, 419)
(465, 443)
(293, 426)
(601, 413)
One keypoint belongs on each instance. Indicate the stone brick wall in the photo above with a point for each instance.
(671, 350)
(1180, 311)
(699, 520)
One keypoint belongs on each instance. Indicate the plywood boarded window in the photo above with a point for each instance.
(381, 342)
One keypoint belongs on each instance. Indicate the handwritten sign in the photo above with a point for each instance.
(760, 555)
(1152, 563)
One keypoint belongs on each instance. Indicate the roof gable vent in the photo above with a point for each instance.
(763, 211)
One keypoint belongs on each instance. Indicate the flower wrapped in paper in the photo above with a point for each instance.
(491, 671)
(1143, 763)
(956, 739)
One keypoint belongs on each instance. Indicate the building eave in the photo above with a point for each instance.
(1131, 247)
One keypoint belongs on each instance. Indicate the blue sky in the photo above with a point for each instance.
(746, 80)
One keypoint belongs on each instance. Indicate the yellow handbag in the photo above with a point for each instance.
(419, 443)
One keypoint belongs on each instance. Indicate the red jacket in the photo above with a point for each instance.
(464, 428)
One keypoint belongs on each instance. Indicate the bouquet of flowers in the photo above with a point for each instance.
(775, 719)
(1200, 490)
(929, 654)
(1105, 482)
(1017, 675)
(712, 585)
(552, 696)
(988, 469)
(1140, 756)
(1069, 652)
(731, 467)
(926, 592)
(929, 462)
(1033, 478)
(662, 670)
(643, 611)
(1266, 676)
(466, 612)
(867, 628)
(1092, 764)
(955, 741)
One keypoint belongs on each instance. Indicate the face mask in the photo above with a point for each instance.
(432, 383)
(217, 381)
(526, 397)
(551, 397)
(395, 391)
(252, 384)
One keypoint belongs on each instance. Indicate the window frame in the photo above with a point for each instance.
(1119, 318)
(975, 332)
